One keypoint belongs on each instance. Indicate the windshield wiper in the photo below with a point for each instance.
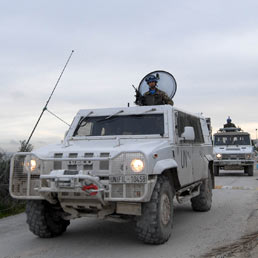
(150, 110)
(108, 117)
(118, 112)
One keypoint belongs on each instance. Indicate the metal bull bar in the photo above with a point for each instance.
(59, 181)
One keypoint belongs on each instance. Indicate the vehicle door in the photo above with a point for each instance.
(183, 150)
(199, 162)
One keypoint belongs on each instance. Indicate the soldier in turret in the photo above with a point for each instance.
(155, 96)
(229, 123)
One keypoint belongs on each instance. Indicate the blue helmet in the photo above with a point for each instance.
(151, 78)
(229, 120)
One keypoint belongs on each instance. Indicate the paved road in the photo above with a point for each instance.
(234, 214)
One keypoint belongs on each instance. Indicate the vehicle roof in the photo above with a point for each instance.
(131, 110)
(231, 133)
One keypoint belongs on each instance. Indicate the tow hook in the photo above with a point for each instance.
(91, 189)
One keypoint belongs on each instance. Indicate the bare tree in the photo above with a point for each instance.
(25, 148)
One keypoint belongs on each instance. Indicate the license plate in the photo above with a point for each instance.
(128, 179)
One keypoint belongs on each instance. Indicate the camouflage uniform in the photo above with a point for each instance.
(158, 98)
(227, 125)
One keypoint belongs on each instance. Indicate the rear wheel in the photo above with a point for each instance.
(44, 219)
(154, 226)
(203, 201)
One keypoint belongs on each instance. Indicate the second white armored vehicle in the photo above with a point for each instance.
(118, 164)
(233, 151)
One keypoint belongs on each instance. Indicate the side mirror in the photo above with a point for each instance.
(188, 134)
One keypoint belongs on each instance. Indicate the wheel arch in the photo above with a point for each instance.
(168, 167)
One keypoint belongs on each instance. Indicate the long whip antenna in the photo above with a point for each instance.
(45, 107)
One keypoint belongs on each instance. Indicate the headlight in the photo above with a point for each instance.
(219, 156)
(32, 163)
(137, 165)
(127, 163)
(248, 156)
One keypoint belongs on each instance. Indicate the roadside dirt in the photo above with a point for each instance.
(245, 247)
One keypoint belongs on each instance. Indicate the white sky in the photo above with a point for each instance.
(211, 48)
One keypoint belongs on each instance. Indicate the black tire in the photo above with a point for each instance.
(203, 201)
(155, 224)
(216, 170)
(44, 219)
(249, 170)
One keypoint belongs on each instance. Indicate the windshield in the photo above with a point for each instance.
(232, 140)
(121, 125)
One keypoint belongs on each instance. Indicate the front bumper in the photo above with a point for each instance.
(94, 187)
(241, 163)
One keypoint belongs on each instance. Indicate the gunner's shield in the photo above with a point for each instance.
(166, 82)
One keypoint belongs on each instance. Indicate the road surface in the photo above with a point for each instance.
(234, 214)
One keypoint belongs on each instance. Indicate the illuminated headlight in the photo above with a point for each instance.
(132, 162)
(32, 164)
(137, 165)
(219, 156)
(248, 156)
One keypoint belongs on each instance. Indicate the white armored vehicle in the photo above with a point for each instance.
(233, 151)
(118, 164)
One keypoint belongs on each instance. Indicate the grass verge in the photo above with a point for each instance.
(13, 209)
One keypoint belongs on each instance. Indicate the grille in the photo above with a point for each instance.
(134, 190)
(88, 155)
(104, 165)
(117, 191)
(72, 167)
(104, 155)
(73, 155)
(58, 163)
(58, 155)
(233, 156)
(88, 167)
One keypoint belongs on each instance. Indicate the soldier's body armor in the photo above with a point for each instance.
(227, 125)
(158, 98)
(150, 100)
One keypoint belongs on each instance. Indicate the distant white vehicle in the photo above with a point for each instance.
(118, 164)
(233, 151)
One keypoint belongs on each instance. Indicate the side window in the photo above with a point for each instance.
(188, 120)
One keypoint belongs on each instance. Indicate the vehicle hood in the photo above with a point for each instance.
(113, 147)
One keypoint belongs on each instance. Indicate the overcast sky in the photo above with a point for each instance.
(211, 48)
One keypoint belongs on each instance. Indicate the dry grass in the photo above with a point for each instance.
(240, 248)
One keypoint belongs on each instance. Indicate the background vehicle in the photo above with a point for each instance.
(233, 151)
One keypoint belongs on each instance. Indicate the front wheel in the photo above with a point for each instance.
(44, 219)
(203, 201)
(216, 170)
(249, 170)
(154, 226)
